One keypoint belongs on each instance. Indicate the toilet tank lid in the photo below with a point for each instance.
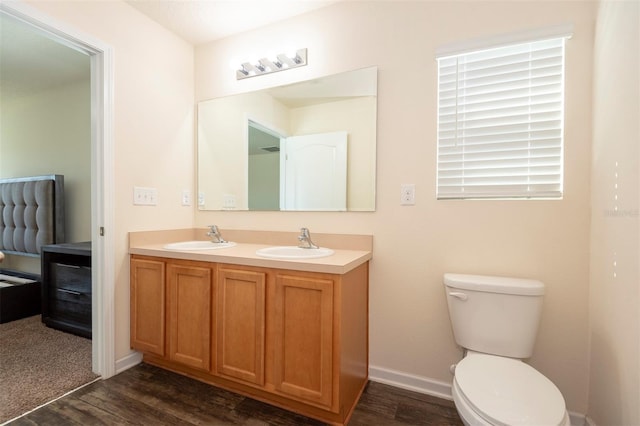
(489, 284)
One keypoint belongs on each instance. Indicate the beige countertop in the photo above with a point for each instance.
(244, 253)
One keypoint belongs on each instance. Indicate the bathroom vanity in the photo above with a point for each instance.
(290, 333)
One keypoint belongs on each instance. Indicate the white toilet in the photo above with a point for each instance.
(495, 319)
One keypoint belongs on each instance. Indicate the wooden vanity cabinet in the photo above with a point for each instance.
(171, 306)
(189, 303)
(241, 323)
(148, 307)
(297, 340)
(303, 337)
(321, 339)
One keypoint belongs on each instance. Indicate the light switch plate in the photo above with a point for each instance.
(145, 196)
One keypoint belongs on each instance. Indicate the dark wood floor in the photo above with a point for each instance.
(147, 395)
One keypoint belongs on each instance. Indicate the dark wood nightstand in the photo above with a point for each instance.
(66, 287)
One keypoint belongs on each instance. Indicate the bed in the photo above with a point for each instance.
(31, 216)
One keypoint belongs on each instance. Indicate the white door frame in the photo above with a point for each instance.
(102, 178)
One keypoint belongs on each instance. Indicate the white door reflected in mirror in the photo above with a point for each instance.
(314, 173)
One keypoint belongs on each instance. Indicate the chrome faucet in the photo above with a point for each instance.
(215, 235)
(305, 239)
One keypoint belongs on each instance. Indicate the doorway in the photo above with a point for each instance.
(102, 181)
(263, 167)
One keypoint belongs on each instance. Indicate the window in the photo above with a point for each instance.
(500, 122)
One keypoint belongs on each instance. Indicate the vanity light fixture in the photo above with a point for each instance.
(281, 62)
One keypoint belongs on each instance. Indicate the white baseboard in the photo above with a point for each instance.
(128, 361)
(438, 389)
(410, 382)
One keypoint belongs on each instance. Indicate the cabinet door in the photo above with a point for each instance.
(240, 324)
(303, 338)
(148, 306)
(189, 314)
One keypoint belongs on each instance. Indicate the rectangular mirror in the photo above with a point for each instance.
(308, 146)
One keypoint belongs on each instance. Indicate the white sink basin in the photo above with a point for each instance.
(198, 245)
(293, 252)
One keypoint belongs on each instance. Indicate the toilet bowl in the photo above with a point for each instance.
(490, 390)
(495, 319)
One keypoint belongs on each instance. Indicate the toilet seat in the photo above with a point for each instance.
(505, 391)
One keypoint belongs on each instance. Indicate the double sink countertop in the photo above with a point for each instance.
(350, 251)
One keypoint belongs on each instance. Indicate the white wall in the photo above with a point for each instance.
(154, 125)
(414, 246)
(615, 232)
(49, 132)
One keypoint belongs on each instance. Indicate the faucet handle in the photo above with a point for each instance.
(305, 239)
(215, 235)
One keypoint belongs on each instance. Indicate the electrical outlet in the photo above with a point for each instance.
(186, 197)
(201, 200)
(228, 202)
(145, 196)
(407, 194)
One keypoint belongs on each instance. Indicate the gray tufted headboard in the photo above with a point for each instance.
(31, 213)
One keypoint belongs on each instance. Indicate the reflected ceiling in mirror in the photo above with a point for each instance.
(308, 146)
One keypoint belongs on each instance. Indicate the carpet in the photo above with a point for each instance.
(39, 364)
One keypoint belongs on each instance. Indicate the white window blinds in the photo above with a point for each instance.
(500, 122)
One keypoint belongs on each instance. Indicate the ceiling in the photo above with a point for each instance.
(30, 62)
(201, 21)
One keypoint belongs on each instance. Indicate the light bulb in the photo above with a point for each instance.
(235, 64)
(291, 52)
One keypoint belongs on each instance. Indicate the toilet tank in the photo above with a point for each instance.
(494, 315)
